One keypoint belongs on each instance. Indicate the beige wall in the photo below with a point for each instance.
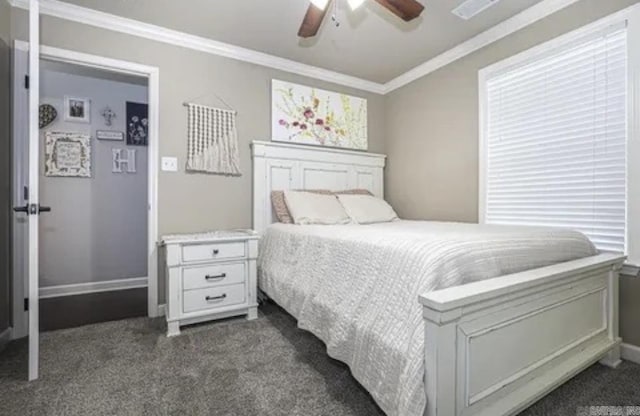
(432, 123)
(630, 309)
(5, 20)
(432, 136)
(196, 202)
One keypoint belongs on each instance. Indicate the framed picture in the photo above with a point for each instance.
(109, 135)
(122, 158)
(137, 124)
(67, 154)
(77, 109)
(306, 115)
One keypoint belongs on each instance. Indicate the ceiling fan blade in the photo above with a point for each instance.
(407, 10)
(312, 21)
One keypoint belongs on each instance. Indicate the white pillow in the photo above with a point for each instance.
(367, 209)
(311, 208)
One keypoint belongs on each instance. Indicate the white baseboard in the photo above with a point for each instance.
(630, 352)
(5, 337)
(92, 287)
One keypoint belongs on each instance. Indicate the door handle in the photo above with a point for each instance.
(32, 209)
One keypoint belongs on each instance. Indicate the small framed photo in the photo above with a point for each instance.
(109, 135)
(77, 109)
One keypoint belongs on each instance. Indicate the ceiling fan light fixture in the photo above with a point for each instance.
(354, 4)
(320, 4)
(470, 8)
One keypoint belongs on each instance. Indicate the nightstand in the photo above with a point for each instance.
(210, 276)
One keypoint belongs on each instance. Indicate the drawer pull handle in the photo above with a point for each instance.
(215, 298)
(215, 276)
(216, 251)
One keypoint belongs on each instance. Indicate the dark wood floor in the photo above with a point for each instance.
(71, 311)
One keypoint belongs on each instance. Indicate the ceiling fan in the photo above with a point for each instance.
(407, 10)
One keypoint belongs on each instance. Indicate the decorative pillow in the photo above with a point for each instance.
(280, 205)
(314, 208)
(367, 209)
(354, 192)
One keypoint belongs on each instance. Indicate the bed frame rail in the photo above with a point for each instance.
(494, 347)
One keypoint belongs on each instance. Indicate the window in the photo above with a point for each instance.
(555, 137)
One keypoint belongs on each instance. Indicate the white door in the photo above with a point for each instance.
(34, 200)
(32, 206)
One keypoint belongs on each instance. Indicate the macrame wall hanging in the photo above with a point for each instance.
(212, 140)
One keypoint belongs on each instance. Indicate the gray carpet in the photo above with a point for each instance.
(235, 367)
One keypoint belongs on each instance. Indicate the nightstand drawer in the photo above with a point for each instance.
(214, 275)
(217, 297)
(203, 252)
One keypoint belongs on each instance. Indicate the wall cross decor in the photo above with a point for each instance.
(108, 115)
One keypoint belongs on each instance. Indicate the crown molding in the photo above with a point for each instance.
(63, 10)
(523, 19)
(67, 11)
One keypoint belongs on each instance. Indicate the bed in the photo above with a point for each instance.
(434, 318)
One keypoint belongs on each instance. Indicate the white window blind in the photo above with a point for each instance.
(556, 140)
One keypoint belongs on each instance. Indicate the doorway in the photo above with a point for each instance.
(93, 265)
(69, 108)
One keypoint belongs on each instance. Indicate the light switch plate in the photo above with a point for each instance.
(169, 164)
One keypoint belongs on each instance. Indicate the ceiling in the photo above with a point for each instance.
(370, 43)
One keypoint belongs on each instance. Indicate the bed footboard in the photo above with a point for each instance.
(496, 346)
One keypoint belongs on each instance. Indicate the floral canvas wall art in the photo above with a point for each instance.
(307, 115)
(137, 124)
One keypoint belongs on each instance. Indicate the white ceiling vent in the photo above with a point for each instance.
(470, 8)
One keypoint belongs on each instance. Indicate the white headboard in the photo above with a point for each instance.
(282, 166)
